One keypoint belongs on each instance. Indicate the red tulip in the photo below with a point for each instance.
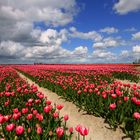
(24, 110)
(84, 131)
(47, 109)
(79, 92)
(66, 117)
(55, 114)
(112, 106)
(39, 130)
(15, 110)
(7, 94)
(78, 127)
(71, 129)
(48, 102)
(6, 118)
(59, 107)
(137, 102)
(60, 132)
(30, 116)
(1, 119)
(19, 130)
(126, 98)
(10, 127)
(35, 112)
(136, 115)
(39, 117)
(30, 101)
(113, 96)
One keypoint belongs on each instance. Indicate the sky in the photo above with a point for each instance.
(69, 31)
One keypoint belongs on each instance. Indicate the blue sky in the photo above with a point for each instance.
(63, 31)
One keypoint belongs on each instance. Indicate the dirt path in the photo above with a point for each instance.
(97, 127)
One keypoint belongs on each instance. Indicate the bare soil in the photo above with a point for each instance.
(97, 128)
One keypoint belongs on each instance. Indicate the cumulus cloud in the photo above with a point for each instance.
(91, 35)
(109, 30)
(123, 7)
(10, 49)
(136, 36)
(136, 49)
(52, 12)
(107, 43)
(104, 56)
(17, 18)
(50, 36)
(80, 51)
(124, 53)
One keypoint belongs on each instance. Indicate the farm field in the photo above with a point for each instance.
(100, 101)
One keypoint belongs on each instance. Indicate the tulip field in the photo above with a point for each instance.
(26, 114)
(109, 91)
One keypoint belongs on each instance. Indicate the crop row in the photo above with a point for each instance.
(26, 114)
(96, 92)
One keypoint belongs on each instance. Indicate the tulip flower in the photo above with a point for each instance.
(84, 131)
(19, 130)
(59, 107)
(47, 109)
(59, 132)
(39, 130)
(66, 117)
(112, 106)
(136, 115)
(10, 127)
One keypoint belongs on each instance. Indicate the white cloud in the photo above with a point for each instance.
(124, 53)
(36, 33)
(109, 30)
(10, 49)
(17, 18)
(50, 37)
(136, 36)
(80, 51)
(136, 49)
(136, 52)
(106, 42)
(104, 55)
(49, 11)
(48, 54)
(123, 7)
(92, 35)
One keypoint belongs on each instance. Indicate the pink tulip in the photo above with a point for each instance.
(39, 117)
(48, 102)
(78, 127)
(39, 130)
(35, 112)
(59, 107)
(84, 131)
(15, 110)
(1, 119)
(66, 117)
(19, 130)
(71, 129)
(126, 98)
(60, 132)
(136, 115)
(112, 106)
(10, 127)
(30, 116)
(55, 114)
(24, 110)
(47, 109)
